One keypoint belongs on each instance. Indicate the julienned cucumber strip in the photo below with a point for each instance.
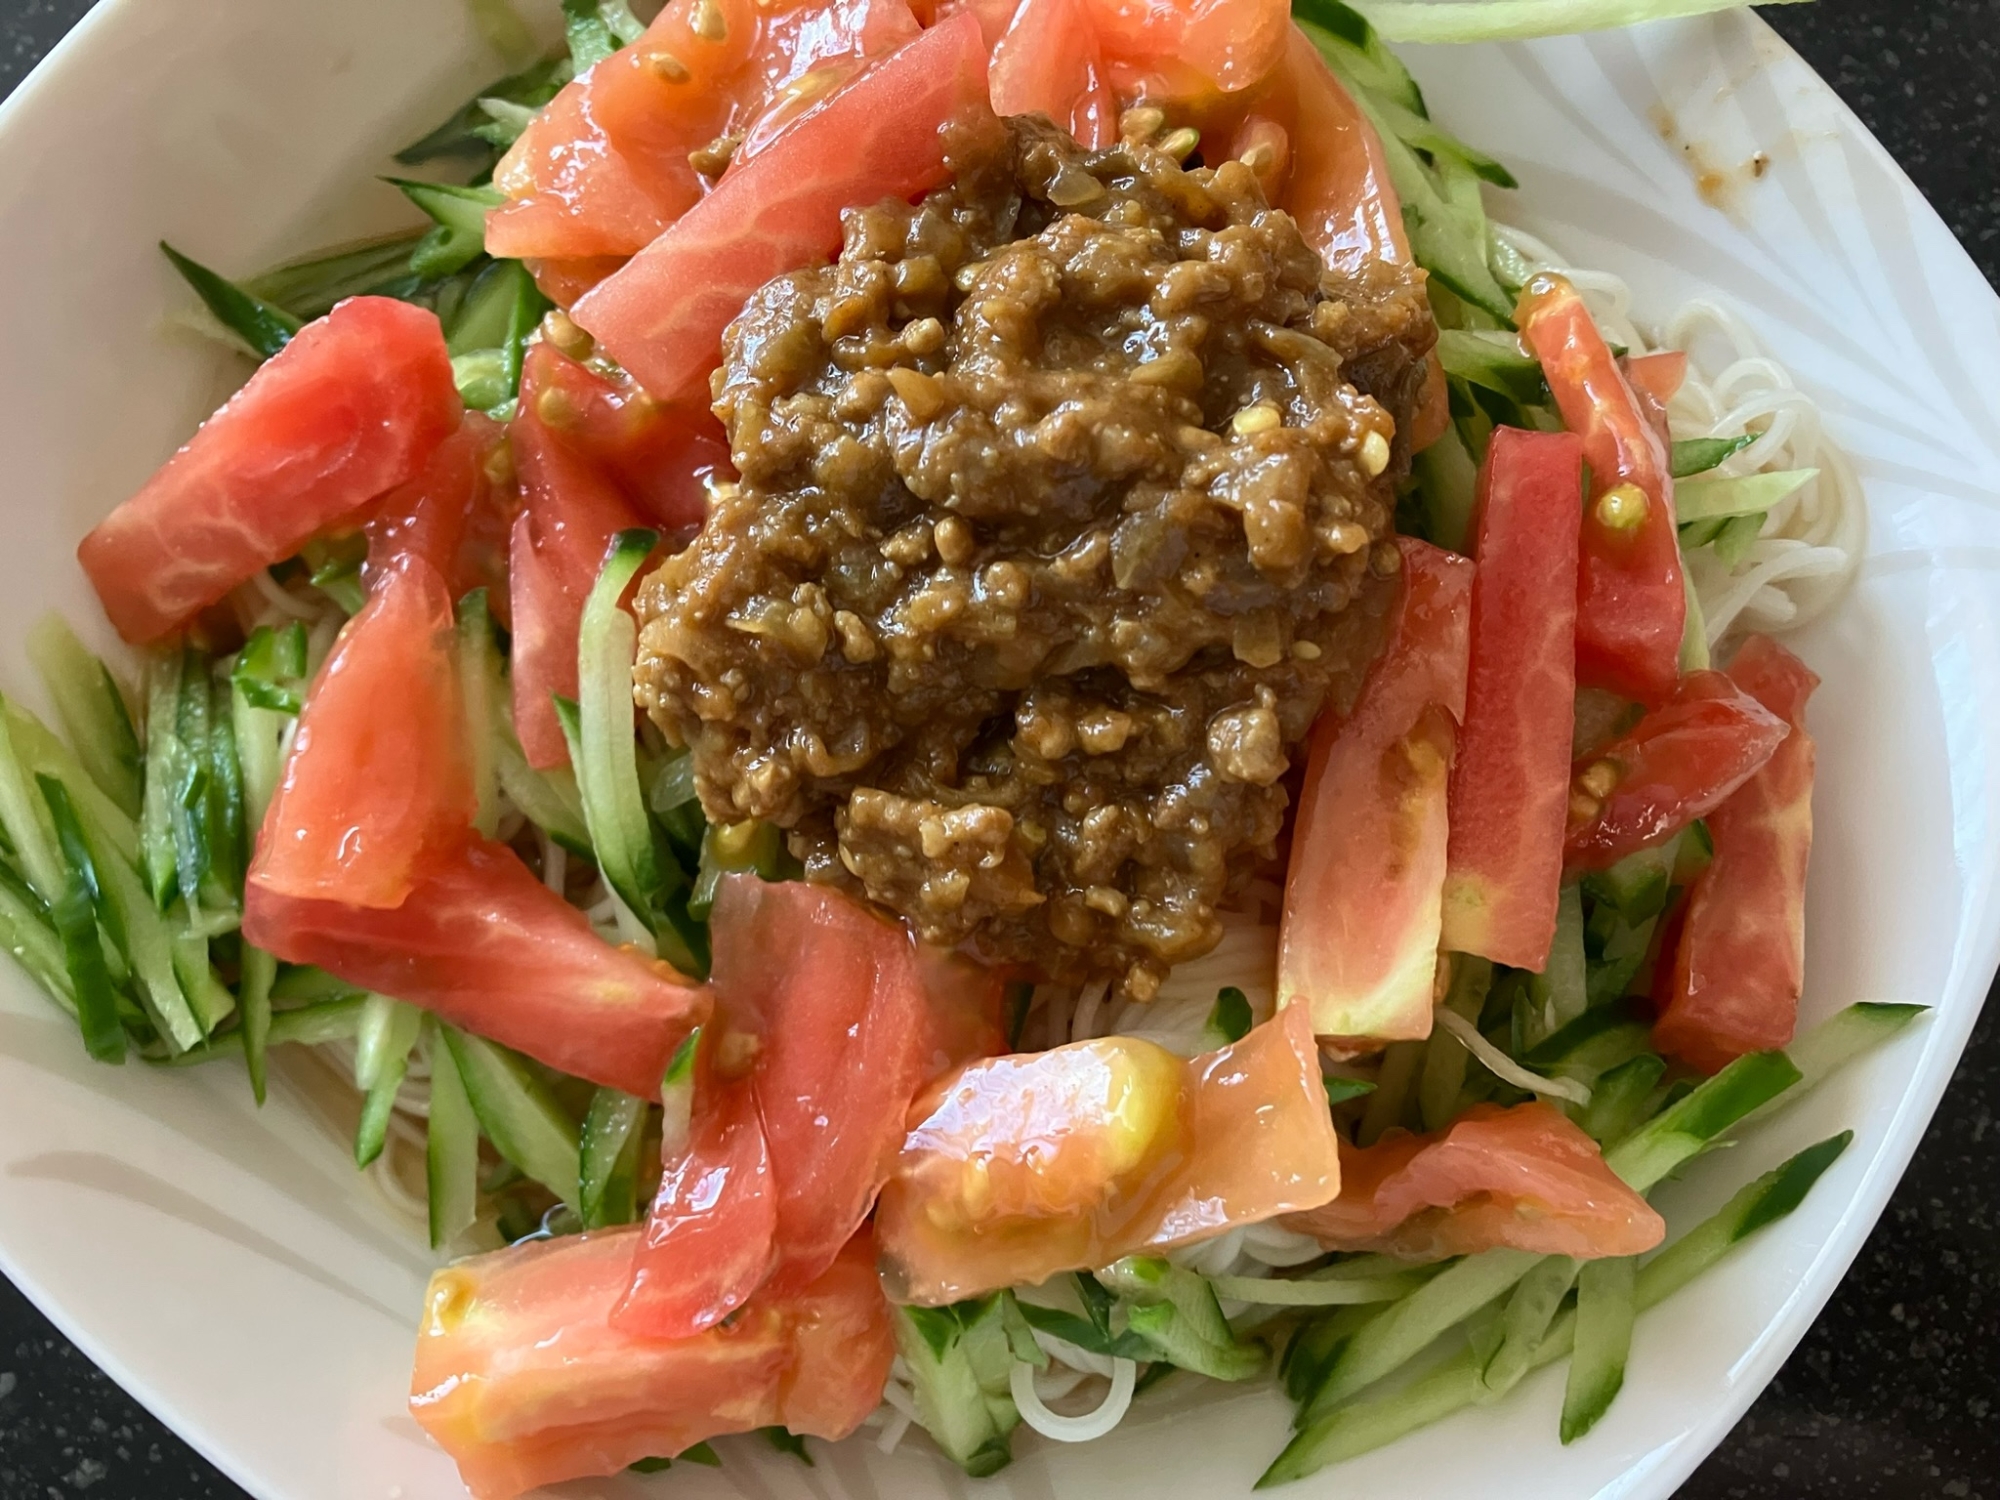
(1693, 456)
(1741, 495)
(478, 682)
(1496, 361)
(1176, 1311)
(264, 327)
(595, 29)
(458, 215)
(253, 995)
(468, 132)
(517, 1113)
(1618, 1102)
(610, 1158)
(607, 761)
(1658, 1147)
(1363, 1426)
(1840, 1039)
(389, 1030)
(1604, 1313)
(1401, 1330)
(549, 799)
(1362, 51)
(1561, 991)
(322, 1021)
(1515, 20)
(31, 942)
(22, 815)
(968, 1416)
(1532, 1307)
(309, 288)
(451, 1149)
(91, 708)
(76, 914)
(163, 755)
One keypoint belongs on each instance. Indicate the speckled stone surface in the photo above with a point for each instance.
(1896, 1391)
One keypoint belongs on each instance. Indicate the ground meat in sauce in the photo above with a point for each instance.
(1058, 522)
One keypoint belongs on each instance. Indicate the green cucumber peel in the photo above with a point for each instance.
(76, 914)
(1517, 20)
(609, 1170)
(262, 327)
(1685, 1129)
(1692, 456)
(517, 1113)
(1230, 1019)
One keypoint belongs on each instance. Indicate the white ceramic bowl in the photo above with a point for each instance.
(233, 1270)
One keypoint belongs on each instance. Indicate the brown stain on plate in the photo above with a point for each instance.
(1719, 185)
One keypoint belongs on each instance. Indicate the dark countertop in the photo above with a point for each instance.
(1894, 1392)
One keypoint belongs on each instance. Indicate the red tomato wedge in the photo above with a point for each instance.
(524, 1379)
(1338, 186)
(1659, 375)
(486, 946)
(1357, 946)
(1022, 1167)
(1630, 603)
(572, 193)
(1677, 764)
(571, 509)
(1161, 50)
(844, 1019)
(1509, 796)
(712, 1233)
(351, 408)
(1740, 963)
(453, 515)
(662, 316)
(660, 458)
(380, 776)
(1523, 1177)
(1047, 62)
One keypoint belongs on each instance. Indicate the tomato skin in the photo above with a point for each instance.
(1163, 50)
(570, 511)
(1523, 1177)
(1657, 376)
(380, 777)
(663, 315)
(846, 1019)
(522, 1377)
(452, 515)
(1247, 1136)
(1338, 185)
(351, 408)
(483, 944)
(1358, 941)
(1676, 764)
(660, 458)
(1509, 795)
(572, 193)
(1047, 63)
(1739, 966)
(1631, 607)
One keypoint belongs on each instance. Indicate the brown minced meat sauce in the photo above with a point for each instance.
(1064, 506)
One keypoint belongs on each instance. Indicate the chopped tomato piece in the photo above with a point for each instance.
(486, 946)
(712, 1233)
(380, 776)
(1047, 63)
(1658, 375)
(1523, 1177)
(351, 408)
(1338, 187)
(662, 316)
(1630, 603)
(1510, 781)
(563, 281)
(524, 1379)
(572, 193)
(660, 458)
(453, 514)
(843, 1019)
(1160, 50)
(1740, 963)
(1357, 947)
(1023, 1167)
(571, 509)
(1676, 764)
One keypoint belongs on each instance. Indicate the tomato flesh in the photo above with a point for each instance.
(1187, 49)
(663, 315)
(349, 409)
(1631, 607)
(571, 509)
(1047, 62)
(483, 944)
(1357, 945)
(380, 776)
(572, 193)
(1509, 794)
(843, 1019)
(1020, 1168)
(1525, 1178)
(1740, 963)
(1677, 764)
(522, 1376)
(1338, 185)
(453, 515)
